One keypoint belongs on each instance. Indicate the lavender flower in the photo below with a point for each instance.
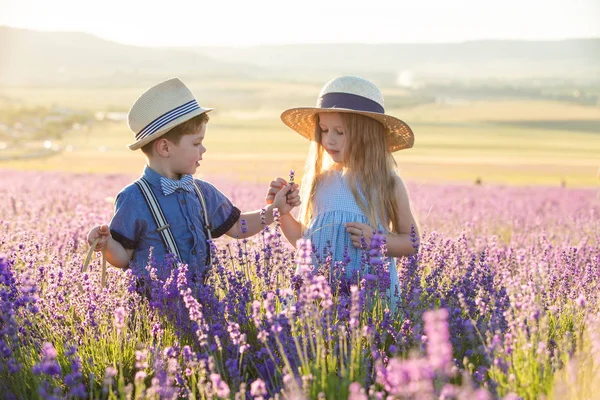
(220, 388)
(439, 349)
(304, 257)
(120, 315)
(258, 389)
(357, 392)
(48, 365)
(515, 269)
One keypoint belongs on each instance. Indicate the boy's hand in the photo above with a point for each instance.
(102, 232)
(274, 188)
(287, 198)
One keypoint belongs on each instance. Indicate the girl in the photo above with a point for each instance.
(350, 187)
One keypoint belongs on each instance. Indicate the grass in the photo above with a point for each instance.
(454, 142)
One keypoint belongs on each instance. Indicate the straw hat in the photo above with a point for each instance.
(160, 109)
(350, 94)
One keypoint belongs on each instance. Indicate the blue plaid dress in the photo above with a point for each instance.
(333, 207)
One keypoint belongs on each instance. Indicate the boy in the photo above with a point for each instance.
(164, 209)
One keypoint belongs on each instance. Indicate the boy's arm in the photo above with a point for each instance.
(253, 223)
(254, 219)
(115, 253)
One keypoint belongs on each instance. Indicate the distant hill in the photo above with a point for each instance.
(502, 59)
(32, 58)
(62, 58)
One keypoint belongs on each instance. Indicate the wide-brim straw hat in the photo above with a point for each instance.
(350, 94)
(160, 109)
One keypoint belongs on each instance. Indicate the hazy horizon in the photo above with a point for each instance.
(274, 44)
(268, 22)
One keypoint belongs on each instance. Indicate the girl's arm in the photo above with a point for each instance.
(291, 228)
(398, 244)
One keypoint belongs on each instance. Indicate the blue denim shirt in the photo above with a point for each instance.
(133, 225)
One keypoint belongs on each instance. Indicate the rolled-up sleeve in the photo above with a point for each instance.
(126, 224)
(222, 214)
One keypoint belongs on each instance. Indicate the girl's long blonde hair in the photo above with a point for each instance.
(369, 168)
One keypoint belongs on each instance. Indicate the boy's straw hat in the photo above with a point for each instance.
(160, 109)
(350, 94)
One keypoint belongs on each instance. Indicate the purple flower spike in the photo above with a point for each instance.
(220, 388)
(48, 365)
(119, 315)
(258, 389)
(304, 258)
(439, 349)
(357, 392)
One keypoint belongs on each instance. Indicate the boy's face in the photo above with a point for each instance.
(185, 157)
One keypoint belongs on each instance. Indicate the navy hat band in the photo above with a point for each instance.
(349, 101)
(167, 117)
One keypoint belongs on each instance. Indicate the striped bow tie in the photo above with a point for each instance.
(169, 185)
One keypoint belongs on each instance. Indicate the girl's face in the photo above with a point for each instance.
(333, 137)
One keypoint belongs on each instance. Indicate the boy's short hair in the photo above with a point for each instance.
(189, 127)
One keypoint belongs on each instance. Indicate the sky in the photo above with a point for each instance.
(256, 22)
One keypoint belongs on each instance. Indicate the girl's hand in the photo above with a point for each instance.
(102, 232)
(274, 188)
(357, 231)
(293, 197)
(286, 199)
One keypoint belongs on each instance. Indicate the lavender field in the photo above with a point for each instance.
(501, 301)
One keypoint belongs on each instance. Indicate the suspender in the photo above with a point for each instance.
(207, 228)
(159, 217)
(161, 222)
